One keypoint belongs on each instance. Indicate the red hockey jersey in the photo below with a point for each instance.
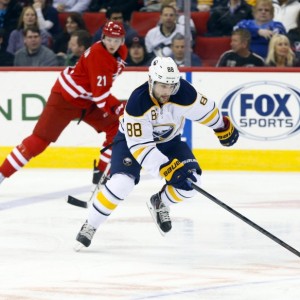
(92, 77)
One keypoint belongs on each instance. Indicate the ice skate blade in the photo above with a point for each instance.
(153, 214)
(78, 246)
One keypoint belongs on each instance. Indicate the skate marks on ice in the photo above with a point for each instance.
(209, 254)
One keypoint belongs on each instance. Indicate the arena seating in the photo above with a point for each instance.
(143, 21)
(209, 49)
(93, 21)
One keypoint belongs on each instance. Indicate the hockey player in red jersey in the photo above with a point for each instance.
(82, 92)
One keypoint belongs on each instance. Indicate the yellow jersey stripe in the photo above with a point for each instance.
(210, 117)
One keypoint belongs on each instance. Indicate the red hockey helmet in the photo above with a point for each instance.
(113, 29)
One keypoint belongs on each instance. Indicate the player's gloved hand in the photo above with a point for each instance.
(119, 109)
(176, 174)
(227, 135)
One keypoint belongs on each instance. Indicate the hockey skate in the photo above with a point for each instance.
(160, 214)
(84, 237)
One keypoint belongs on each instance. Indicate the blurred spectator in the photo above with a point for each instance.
(137, 54)
(71, 5)
(180, 5)
(6, 58)
(262, 28)
(223, 18)
(204, 5)
(280, 53)
(80, 40)
(180, 14)
(178, 52)
(34, 53)
(127, 7)
(286, 11)
(27, 18)
(73, 22)
(10, 11)
(47, 16)
(294, 37)
(116, 15)
(151, 5)
(158, 39)
(240, 55)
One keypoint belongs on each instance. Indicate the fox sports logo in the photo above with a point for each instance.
(264, 110)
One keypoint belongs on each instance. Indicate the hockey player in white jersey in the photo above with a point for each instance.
(149, 137)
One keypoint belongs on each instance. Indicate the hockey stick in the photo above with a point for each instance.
(243, 218)
(84, 204)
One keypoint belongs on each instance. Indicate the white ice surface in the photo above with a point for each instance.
(210, 254)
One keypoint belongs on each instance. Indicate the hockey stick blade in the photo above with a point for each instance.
(76, 202)
(84, 204)
(243, 218)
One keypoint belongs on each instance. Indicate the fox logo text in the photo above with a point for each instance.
(264, 110)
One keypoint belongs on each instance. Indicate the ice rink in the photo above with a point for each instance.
(209, 255)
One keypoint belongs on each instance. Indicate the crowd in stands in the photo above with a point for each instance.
(223, 33)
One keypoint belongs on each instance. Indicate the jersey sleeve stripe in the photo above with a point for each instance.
(100, 98)
(146, 154)
(210, 117)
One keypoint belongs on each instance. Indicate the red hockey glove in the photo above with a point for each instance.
(176, 174)
(227, 135)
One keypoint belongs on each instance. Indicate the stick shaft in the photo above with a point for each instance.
(246, 220)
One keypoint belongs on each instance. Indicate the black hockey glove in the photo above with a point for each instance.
(227, 135)
(176, 174)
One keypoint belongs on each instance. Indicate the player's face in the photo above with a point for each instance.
(162, 91)
(112, 44)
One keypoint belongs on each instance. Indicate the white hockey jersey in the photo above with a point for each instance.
(146, 122)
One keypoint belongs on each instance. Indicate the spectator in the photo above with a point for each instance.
(223, 18)
(6, 58)
(178, 5)
(73, 22)
(280, 53)
(178, 52)
(294, 37)
(116, 15)
(126, 7)
(27, 18)
(80, 40)
(151, 5)
(10, 11)
(262, 28)
(158, 39)
(34, 53)
(286, 11)
(71, 5)
(137, 54)
(240, 55)
(204, 5)
(47, 16)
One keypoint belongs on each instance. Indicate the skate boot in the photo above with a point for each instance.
(84, 236)
(160, 214)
